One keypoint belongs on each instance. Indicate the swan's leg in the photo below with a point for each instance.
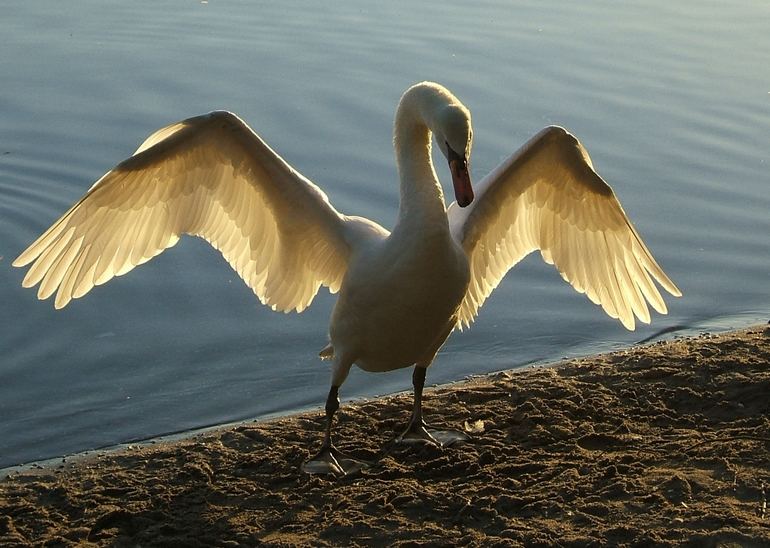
(329, 460)
(418, 430)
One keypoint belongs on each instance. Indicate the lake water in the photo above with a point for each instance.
(672, 100)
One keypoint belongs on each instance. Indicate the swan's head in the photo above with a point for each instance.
(454, 135)
(449, 121)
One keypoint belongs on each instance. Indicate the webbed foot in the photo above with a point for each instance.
(331, 460)
(419, 432)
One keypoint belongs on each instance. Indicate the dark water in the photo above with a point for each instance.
(671, 100)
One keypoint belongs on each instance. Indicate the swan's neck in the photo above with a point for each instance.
(422, 200)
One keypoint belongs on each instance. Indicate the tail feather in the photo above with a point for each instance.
(327, 353)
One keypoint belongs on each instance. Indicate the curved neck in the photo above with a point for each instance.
(422, 200)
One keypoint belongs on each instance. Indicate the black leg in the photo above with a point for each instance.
(332, 405)
(329, 460)
(418, 382)
(417, 430)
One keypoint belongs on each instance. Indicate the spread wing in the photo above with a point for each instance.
(547, 196)
(209, 176)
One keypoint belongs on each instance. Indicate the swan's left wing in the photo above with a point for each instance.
(547, 196)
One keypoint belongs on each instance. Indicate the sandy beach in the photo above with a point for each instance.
(662, 444)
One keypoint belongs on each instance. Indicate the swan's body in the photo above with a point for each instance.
(401, 293)
(398, 299)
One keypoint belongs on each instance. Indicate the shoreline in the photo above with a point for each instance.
(55, 461)
(664, 443)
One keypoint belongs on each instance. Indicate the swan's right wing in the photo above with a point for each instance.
(209, 176)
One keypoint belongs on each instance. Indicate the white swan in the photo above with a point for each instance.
(400, 293)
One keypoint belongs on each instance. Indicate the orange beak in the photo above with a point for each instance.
(461, 178)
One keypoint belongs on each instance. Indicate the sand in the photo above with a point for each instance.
(663, 444)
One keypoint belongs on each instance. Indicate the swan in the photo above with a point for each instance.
(401, 293)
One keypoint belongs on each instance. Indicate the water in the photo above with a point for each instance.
(671, 100)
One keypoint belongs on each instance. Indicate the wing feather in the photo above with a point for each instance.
(210, 176)
(85, 281)
(548, 197)
(64, 294)
(53, 273)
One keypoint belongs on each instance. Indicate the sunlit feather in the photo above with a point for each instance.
(205, 176)
(548, 197)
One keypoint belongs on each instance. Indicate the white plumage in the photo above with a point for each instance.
(401, 293)
(209, 176)
(548, 197)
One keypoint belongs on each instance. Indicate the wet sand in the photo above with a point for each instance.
(663, 444)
